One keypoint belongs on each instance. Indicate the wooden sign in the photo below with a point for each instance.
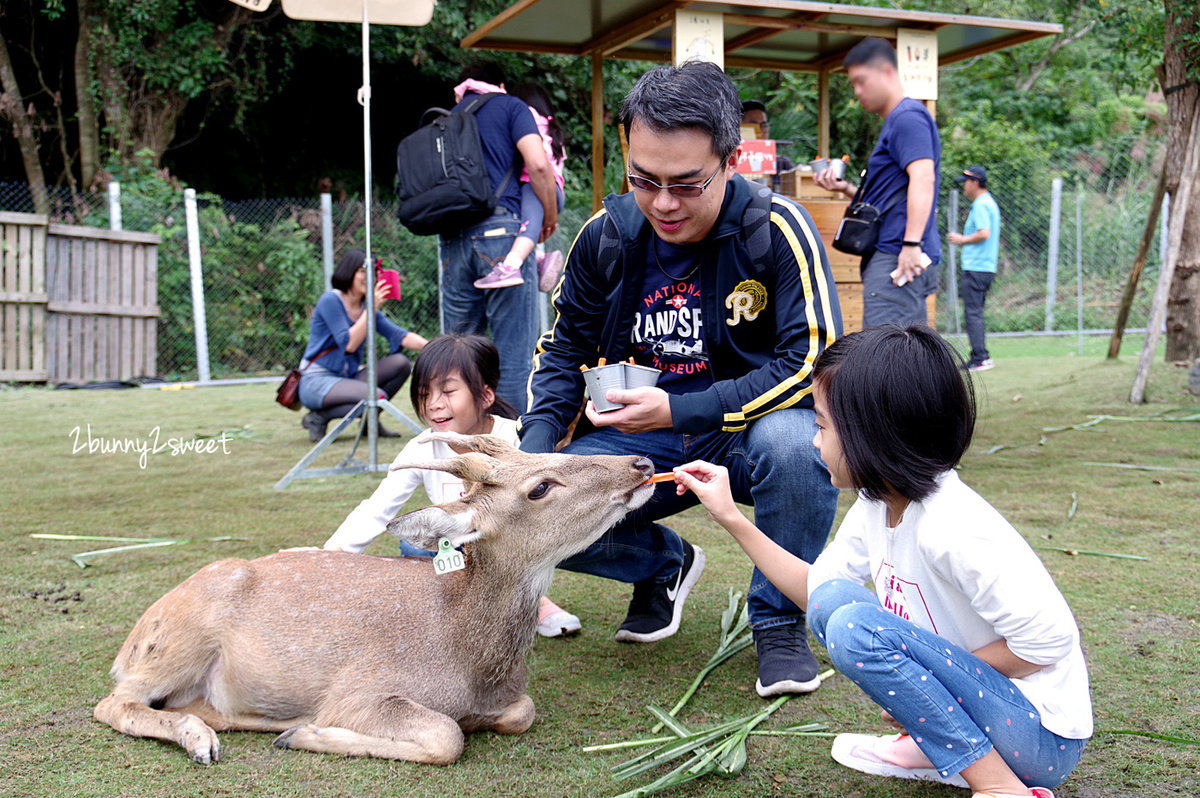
(380, 12)
(917, 57)
(698, 36)
(756, 157)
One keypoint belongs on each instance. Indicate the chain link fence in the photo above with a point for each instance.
(262, 265)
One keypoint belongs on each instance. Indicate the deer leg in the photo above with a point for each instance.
(138, 720)
(517, 718)
(219, 722)
(398, 729)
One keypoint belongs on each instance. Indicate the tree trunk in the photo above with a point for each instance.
(12, 106)
(1181, 65)
(85, 100)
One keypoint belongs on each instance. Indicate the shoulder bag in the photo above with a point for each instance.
(288, 394)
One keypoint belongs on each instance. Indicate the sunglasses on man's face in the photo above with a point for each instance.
(681, 190)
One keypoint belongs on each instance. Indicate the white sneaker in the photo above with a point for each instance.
(862, 752)
(554, 621)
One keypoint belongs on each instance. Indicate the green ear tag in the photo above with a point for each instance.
(447, 559)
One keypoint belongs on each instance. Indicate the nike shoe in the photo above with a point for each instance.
(656, 607)
(895, 755)
(501, 276)
(785, 662)
(984, 364)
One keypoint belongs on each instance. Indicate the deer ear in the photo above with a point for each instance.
(423, 528)
(471, 466)
(491, 445)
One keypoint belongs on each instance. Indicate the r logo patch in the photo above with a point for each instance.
(747, 300)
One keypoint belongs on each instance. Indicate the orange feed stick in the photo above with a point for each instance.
(601, 362)
(666, 476)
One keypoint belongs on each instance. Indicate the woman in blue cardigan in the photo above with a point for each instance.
(333, 379)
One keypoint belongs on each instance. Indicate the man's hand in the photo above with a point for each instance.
(957, 239)
(908, 266)
(645, 409)
(827, 181)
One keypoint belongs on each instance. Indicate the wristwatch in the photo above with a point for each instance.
(911, 243)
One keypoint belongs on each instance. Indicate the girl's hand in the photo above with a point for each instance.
(382, 292)
(710, 483)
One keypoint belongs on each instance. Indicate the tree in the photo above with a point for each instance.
(1179, 75)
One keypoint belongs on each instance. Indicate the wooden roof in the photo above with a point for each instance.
(792, 35)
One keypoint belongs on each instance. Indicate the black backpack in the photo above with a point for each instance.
(441, 176)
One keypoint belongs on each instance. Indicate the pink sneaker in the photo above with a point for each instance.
(894, 755)
(549, 267)
(554, 621)
(1036, 792)
(501, 276)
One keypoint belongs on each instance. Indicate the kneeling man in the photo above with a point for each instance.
(726, 289)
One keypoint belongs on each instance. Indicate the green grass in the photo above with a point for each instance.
(1139, 619)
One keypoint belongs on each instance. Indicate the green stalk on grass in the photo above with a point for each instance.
(84, 558)
(732, 641)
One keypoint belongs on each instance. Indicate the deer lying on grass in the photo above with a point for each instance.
(375, 656)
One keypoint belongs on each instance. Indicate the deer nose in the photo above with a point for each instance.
(645, 466)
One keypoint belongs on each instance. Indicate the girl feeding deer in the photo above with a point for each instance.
(454, 390)
(965, 642)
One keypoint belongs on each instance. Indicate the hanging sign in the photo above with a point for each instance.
(917, 57)
(699, 36)
(253, 5)
(379, 12)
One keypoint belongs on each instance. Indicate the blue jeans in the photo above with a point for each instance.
(956, 707)
(532, 212)
(511, 313)
(772, 465)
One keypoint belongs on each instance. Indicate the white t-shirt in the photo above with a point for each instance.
(372, 515)
(955, 567)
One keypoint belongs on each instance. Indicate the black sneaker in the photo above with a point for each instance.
(656, 607)
(785, 662)
(315, 423)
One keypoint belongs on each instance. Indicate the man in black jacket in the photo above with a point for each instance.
(727, 291)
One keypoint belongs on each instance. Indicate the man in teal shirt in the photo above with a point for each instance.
(980, 242)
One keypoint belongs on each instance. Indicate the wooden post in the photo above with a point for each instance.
(823, 114)
(597, 131)
(1158, 309)
(1139, 264)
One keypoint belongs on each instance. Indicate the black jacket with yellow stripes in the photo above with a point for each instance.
(764, 324)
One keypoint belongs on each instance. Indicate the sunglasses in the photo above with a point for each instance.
(682, 190)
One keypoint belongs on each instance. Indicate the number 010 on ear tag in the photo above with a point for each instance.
(448, 558)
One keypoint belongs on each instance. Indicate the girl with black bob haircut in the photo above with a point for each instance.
(908, 413)
(963, 641)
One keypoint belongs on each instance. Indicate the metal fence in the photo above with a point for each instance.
(1064, 255)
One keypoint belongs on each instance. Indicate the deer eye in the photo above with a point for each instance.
(541, 490)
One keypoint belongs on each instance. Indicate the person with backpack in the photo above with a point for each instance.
(509, 137)
(724, 288)
(549, 265)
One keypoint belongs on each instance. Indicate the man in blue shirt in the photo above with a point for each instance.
(980, 240)
(509, 136)
(902, 183)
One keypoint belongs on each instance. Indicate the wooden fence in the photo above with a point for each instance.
(77, 304)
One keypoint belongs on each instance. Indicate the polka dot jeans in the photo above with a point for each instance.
(955, 705)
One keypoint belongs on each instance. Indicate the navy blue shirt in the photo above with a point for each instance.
(503, 121)
(909, 134)
(668, 329)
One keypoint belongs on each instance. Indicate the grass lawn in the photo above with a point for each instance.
(61, 626)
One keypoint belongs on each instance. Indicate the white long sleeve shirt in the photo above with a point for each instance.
(373, 514)
(954, 566)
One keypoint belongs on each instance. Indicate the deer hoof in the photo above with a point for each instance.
(200, 741)
(285, 740)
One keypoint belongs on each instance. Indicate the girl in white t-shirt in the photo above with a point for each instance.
(965, 642)
(454, 390)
